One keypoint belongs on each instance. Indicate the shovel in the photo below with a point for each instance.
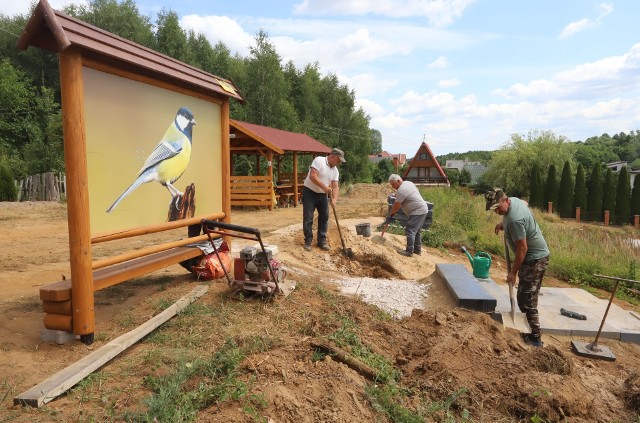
(346, 251)
(379, 239)
(513, 301)
(518, 320)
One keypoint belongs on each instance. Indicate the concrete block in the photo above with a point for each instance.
(58, 336)
(468, 292)
(633, 337)
(592, 334)
(555, 331)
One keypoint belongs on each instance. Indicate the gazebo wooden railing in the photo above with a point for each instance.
(254, 191)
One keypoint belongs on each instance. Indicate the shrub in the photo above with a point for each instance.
(8, 190)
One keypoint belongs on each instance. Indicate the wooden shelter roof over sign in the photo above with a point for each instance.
(245, 135)
(55, 31)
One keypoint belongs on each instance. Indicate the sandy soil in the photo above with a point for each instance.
(443, 352)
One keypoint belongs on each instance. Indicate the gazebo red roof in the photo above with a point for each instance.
(278, 140)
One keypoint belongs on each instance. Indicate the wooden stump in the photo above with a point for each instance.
(183, 206)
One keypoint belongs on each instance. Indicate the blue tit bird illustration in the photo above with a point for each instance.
(168, 161)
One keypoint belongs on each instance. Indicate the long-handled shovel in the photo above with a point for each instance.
(346, 251)
(513, 301)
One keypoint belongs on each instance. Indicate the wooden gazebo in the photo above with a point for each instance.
(275, 145)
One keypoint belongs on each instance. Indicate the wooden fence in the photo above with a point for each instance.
(44, 187)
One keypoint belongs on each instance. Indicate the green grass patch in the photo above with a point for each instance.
(195, 384)
(390, 400)
(346, 337)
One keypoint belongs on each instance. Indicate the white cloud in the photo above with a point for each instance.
(440, 63)
(220, 28)
(367, 84)
(389, 121)
(608, 109)
(338, 52)
(448, 83)
(22, 7)
(447, 125)
(411, 103)
(439, 13)
(372, 108)
(586, 23)
(593, 79)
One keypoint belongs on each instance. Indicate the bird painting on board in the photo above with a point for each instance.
(168, 161)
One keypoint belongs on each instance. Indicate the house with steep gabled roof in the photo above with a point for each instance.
(424, 169)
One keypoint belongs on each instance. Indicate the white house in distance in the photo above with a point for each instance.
(475, 169)
(617, 166)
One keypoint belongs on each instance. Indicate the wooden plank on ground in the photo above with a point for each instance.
(60, 382)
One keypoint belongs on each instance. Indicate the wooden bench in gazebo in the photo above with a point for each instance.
(275, 145)
(254, 191)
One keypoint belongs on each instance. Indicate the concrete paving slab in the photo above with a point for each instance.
(467, 290)
(620, 324)
(617, 323)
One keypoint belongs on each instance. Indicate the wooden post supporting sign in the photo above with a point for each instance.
(77, 192)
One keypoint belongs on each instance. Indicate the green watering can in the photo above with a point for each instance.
(480, 263)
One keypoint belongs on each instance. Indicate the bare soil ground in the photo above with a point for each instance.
(462, 363)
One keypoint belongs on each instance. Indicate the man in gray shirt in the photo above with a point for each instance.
(408, 197)
(524, 236)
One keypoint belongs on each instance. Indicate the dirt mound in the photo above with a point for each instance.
(451, 364)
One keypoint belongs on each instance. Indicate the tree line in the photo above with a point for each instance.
(278, 94)
(528, 166)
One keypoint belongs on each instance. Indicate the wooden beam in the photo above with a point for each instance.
(151, 229)
(75, 155)
(134, 254)
(60, 382)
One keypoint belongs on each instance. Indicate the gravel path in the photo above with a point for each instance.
(396, 297)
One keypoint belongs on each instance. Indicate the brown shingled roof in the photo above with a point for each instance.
(276, 139)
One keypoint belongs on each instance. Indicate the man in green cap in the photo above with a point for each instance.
(524, 236)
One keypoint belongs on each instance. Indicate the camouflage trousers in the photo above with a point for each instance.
(529, 282)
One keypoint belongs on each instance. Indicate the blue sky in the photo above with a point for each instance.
(460, 74)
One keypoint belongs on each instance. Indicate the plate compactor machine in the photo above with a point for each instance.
(255, 271)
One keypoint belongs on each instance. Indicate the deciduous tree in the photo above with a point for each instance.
(511, 165)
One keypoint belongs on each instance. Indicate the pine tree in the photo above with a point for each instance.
(594, 200)
(535, 187)
(551, 188)
(609, 193)
(565, 194)
(580, 191)
(623, 197)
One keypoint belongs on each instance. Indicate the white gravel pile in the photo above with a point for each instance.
(396, 297)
